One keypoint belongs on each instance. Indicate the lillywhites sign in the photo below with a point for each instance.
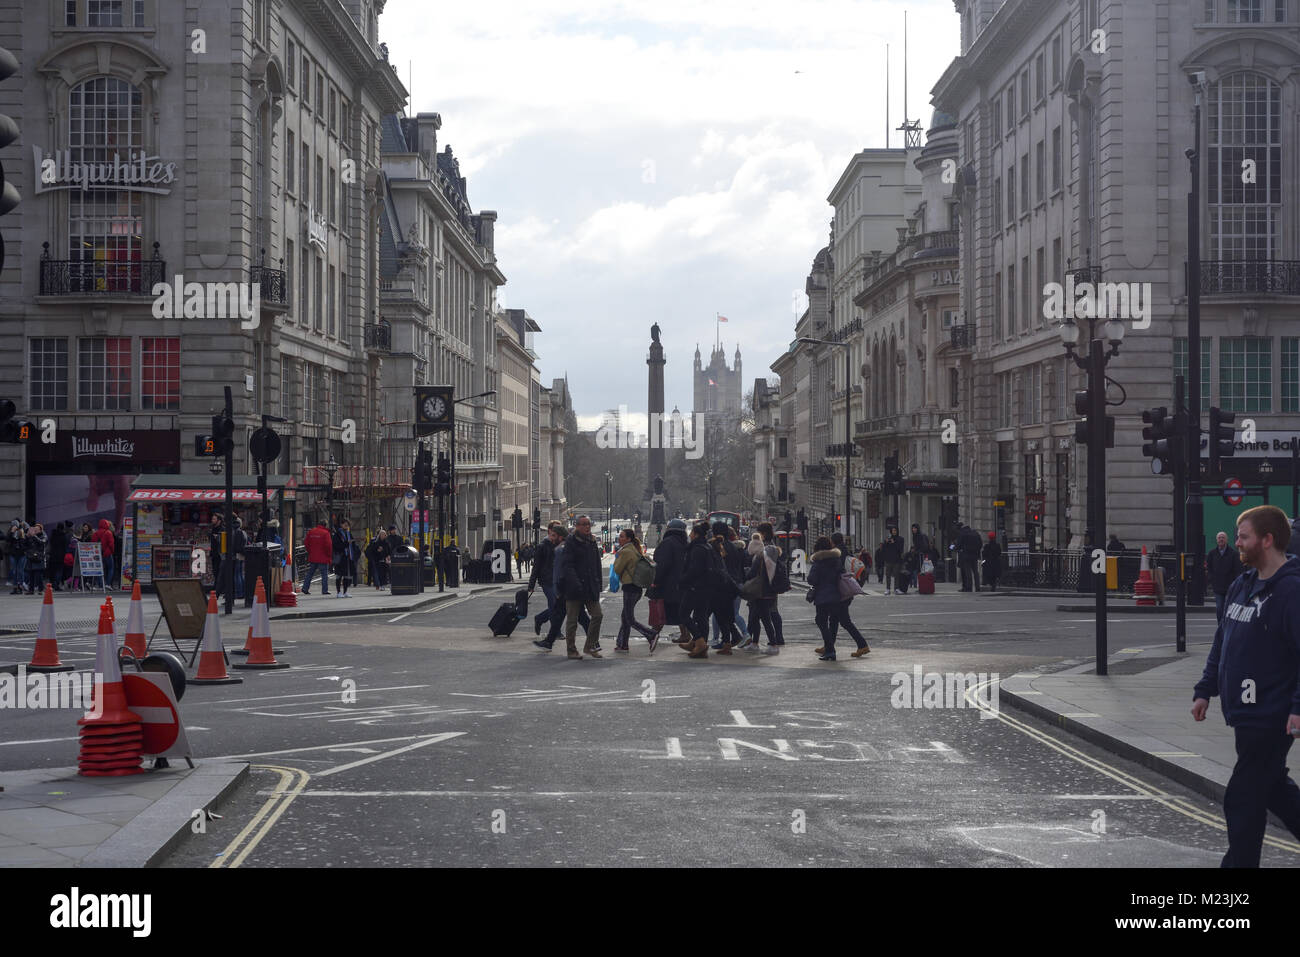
(96, 448)
(133, 171)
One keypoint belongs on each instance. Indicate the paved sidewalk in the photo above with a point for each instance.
(1140, 711)
(56, 818)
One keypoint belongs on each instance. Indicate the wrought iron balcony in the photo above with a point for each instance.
(100, 277)
(1084, 274)
(1280, 277)
(963, 335)
(838, 450)
(379, 337)
(272, 287)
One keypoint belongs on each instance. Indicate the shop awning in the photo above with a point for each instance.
(192, 495)
(203, 488)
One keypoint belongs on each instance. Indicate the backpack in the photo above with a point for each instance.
(643, 573)
(781, 583)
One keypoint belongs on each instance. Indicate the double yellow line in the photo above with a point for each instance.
(291, 784)
(1173, 803)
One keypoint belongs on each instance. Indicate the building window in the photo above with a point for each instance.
(1290, 374)
(1243, 11)
(1011, 195)
(997, 306)
(320, 186)
(329, 309)
(318, 299)
(309, 384)
(1024, 93)
(343, 305)
(1024, 184)
(1011, 107)
(1245, 122)
(1027, 320)
(1040, 171)
(1056, 158)
(951, 456)
(1011, 300)
(104, 375)
(1040, 77)
(1040, 278)
(286, 391)
(320, 94)
(334, 109)
(48, 362)
(105, 227)
(1057, 274)
(1246, 375)
(304, 282)
(160, 375)
(108, 13)
(1056, 60)
(289, 263)
(954, 391)
(306, 172)
(1006, 400)
(996, 119)
(1209, 11)
(333, 194)
(782, 448)
(290, 63)
(306, 81)
(997, 203)
(1180, 366)
(1279, 11)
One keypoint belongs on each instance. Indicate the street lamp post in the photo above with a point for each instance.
(1195, 502)
(609, 506)
(455, 402)
(848, 425)
(1095, 432)
(330, 468)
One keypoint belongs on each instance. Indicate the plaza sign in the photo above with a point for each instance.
(138, 172)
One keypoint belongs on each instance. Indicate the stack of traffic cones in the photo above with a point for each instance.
(287, 596)
(113, 740)
(261, 655)
(1145, 587)
(46, 656)
(212, 656)
(135, 641)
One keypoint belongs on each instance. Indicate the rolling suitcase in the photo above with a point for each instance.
(925, 584)
(504, 621)
(521, 604)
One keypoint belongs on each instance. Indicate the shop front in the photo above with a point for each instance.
(170, 517)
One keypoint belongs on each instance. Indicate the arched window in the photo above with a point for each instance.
(105, 226)
(1245, 120)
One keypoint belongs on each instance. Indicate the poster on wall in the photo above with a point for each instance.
(82, 499)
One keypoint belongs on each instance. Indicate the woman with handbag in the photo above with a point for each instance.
(766, 580)
(837, 540)
(824, 592)
(627, 564)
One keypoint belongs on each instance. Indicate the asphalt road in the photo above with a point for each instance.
(421, 740)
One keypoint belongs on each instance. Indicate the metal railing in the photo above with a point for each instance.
(272, 287)
(963, 335)
(1054, 570)
(379, 336)
(100, 277)
(1250, 276)
(1084, 274)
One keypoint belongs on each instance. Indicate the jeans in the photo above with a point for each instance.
(572, 609)
(36, 572)
(724, 610)
(324, 577)
(1259, 784)
(543, 616)
(761, 612)
(736, 616)
(239, 578)
(631, 595)
(850, 628)
(1219, 602)
(18, 571)
(828, 620)
(108, 570)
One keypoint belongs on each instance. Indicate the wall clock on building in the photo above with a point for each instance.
(433, 409)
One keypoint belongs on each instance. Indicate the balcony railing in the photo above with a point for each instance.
(100, 277)
(272, 288)
(1250, 276)
(838, 450)
(963, 335)
(379, 336)
(882, 423)
(1084, 274)
(943, 239)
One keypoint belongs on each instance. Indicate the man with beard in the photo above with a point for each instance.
(1253, 665)
(578, 567)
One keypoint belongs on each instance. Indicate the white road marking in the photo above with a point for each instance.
(314, 747)
(742, 722)
(388, 754)
(400, 617)
(38, 741)
(936, 614)
(306, 694)
(1108, 797)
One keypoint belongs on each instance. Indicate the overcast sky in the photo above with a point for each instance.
(661, 161)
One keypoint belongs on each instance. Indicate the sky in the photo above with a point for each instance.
(662, 161)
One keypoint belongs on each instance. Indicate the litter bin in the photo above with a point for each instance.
(404, 572)
(259, 559)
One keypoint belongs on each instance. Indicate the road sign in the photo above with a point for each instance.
(150, 695)
(265, 445)
(1228, 497)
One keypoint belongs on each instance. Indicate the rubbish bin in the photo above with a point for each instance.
(404, 572)
(259, 559)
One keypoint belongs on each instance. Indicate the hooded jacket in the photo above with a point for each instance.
(543, 564)
(105, 538)
(824, 577)
(698, 568)
(1257, 642)
(320, 546)
(577, 569)
(670, 560)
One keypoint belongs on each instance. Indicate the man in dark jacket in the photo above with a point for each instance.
(992, 556)
(736, 562)
(891, 551)
(697, 589)
(543, 573)
(920, 540)
(1252, 667)
(58, 546)
(1223, 566)
(968, 556)
(579, 569)
(670, 558)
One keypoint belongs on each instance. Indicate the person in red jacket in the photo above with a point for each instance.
(107, 548)
(320, 553)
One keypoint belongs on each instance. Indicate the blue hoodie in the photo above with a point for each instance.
(1259, 640)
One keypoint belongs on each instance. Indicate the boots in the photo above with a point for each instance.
(699, 649)
(573, 650)
(864, 650)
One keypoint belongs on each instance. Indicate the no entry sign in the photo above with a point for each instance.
(149, 695)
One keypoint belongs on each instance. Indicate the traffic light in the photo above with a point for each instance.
(9, 197)
(1083, 429)
(443, 484)
(1223, 437)
(838, 519)
(13, 431)
(1160, 442)
(801, 520)
(893, 478)
(205, 445)
(223, 434)
(422, 474)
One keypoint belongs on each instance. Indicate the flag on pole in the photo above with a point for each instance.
(722, 318)
(711, 382)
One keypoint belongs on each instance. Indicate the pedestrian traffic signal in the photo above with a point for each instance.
(422, 474)
(13, 431)
(205, 445)
(9, 197)
(1083, 429)
(1159, 435)
(893, 477)
(443, 484)
(223, 434)
(1223, 437)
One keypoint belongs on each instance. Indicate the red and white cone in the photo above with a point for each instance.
(112, 737)
(1144, 589)
(46, 656)
(135, 641)
(287, 596)
(212, 654)
(261, 655)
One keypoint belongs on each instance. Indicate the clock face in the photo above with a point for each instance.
(434, 407)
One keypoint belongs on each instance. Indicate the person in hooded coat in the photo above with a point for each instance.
(698, 589)
(670, 559)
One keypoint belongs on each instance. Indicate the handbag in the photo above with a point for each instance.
(811, 595)
(658, 617)
(613, 580)
(752, 590)
(849, 587)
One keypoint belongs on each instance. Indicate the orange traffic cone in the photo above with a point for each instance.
(261, 654)
(135, 641)
(46, 656)
(212, 657)
(112, 737)
(1144, 589)
(248, 644)
(287, 596)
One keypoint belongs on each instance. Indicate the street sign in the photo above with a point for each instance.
(150, 695)
(265, 445)
(1230, 498)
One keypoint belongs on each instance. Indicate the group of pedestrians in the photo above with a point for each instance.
(338, 550)
(36, 557)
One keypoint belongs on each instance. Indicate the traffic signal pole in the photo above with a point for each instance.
(1180, 517)
(228, 535)
(1097, 485)
(1195, 503)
